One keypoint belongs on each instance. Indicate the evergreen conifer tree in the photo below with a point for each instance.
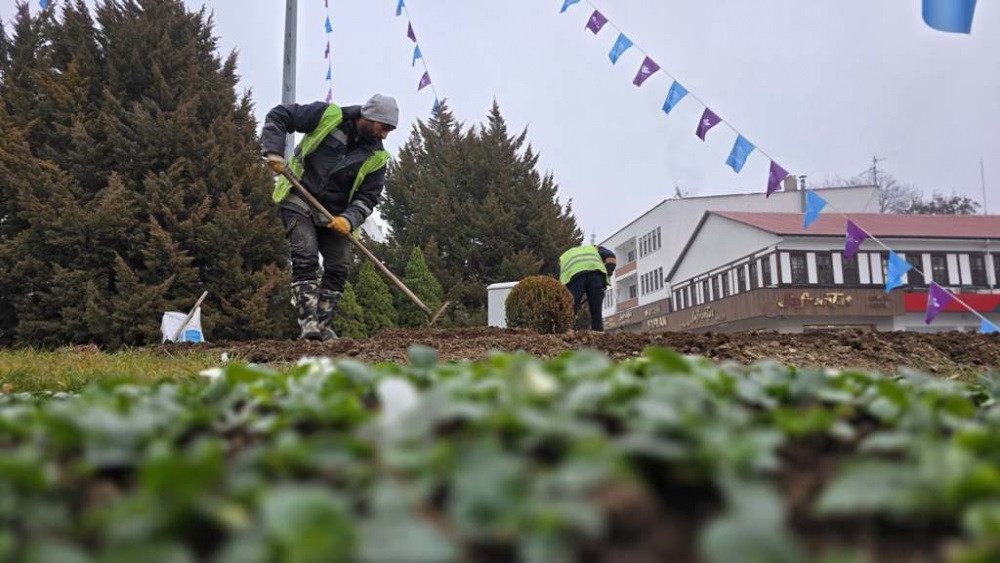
(135, 181)
(375, 300)
(350, 322)
(474, 201)
(421, 282)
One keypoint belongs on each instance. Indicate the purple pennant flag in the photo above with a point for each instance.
(596, 22)
(326, 54)
(775, 177)
(707, 121)
(647, 69)
(409, 32)
(855, 236)
(937, 298)
(329, 95)
(424, 81)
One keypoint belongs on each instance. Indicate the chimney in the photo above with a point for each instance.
(789, 184)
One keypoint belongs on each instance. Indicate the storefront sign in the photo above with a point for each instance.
(657, 322)
(702, 316)
(832, 299)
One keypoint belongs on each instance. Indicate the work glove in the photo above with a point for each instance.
(275, 162)
(341, 225)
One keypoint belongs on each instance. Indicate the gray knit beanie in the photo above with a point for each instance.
(382, 109)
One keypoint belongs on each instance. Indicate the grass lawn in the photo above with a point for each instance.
(72, 368)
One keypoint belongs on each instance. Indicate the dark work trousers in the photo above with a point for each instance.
(591, 285)
(306, 242)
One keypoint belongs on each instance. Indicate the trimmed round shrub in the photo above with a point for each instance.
(540, 303)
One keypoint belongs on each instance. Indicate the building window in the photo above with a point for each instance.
(798, 262)
(741, 279)
(706, 296)
(765, 270)
(851, 276)
(880, 262)
(633, 291)
(996, 269)
(915, 260)
(977, 263)
(649, 242)
(824, 268)
(630, 256)
(753, 274)
(939, 269)
(687, 296)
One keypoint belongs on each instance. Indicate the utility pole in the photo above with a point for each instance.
(288, 71)
(982, 174)
(875, 161)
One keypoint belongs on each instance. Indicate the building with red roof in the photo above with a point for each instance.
(750, 270)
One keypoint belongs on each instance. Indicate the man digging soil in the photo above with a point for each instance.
(341, 161)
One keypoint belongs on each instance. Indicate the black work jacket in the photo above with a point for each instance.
(330, 170)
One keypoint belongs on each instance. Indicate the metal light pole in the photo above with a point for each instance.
(288, 71)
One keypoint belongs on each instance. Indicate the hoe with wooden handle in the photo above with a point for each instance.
(302, 191)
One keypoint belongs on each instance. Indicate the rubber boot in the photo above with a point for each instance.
(327, 309)
(305, 299)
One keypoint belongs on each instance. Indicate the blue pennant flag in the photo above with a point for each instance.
(897, 269)
(949, 15)
(986, 327)
(814, 206)
(329, 26)
(399, 7)
(416, 55)
(566, 4)
(621, 45)
(674, 96)
(436, 108)
(738, 156)
(329, 73)
(43, 3)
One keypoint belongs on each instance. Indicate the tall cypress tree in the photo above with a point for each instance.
(475, 202)
(136, 181)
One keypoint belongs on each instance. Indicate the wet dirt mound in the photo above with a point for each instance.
(943, 354)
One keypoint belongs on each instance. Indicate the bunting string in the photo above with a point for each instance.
(742, 147)
(425, 78)
(937, 296)
(328, 27)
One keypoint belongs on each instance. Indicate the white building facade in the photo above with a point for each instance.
(648, 247)
(745, 271)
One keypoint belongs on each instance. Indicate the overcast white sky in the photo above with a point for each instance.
(819, 85)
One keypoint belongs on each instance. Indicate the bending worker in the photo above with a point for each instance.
(586, 270)
(342, 162)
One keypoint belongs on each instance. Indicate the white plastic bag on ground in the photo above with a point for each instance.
(172, 321)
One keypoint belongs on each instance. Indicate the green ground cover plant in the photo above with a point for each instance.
(510, 459)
